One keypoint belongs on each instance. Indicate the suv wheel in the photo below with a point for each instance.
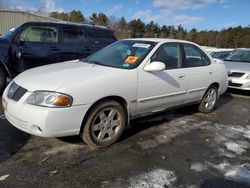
(2, 80)
(209, 100)
(105, 123)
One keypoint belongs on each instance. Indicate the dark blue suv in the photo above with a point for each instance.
(34, 44)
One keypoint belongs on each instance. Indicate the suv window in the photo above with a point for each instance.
(194, 56)
(169, 54)
(102, 35)
(72, 35)
(39, 34)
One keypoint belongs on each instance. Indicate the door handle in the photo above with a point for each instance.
(19, 55)
(211, 72)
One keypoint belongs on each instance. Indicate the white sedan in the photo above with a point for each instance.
(97, 97)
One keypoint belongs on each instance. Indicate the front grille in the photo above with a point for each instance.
(234, 84)
(235, 74)
(16, 92)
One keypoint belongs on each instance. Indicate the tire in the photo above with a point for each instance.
(2, 80)
(209, 100)
(104, 125)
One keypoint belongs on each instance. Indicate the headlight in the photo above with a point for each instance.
(49, 99)
(248, 77)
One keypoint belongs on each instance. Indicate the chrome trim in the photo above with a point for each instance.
(198, 89)
(161, 96)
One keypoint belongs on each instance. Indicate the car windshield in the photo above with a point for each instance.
(240, 56)
(10, 33)
(125, 54)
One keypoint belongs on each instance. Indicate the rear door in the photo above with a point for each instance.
(35, 46)
(197, 70)
(71, 42)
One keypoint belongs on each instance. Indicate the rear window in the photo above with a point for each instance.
(103, 35)
(72, 35)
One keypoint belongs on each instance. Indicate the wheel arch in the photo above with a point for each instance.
(215, 84)
(118, 99)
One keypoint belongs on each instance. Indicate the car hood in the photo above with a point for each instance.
(237, 66)
(53, 77)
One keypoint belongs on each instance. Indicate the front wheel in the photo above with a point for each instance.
(2, 80)
(104, 125)
(209, 100)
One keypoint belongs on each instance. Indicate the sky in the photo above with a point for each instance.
(199, 14)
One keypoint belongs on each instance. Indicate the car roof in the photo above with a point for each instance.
(163, 40)
(74, 24)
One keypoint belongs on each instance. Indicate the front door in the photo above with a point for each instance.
(36, 46)
(160, 90)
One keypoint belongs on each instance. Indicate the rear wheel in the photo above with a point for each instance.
(104, 125)
(209, 100)
(2, 80)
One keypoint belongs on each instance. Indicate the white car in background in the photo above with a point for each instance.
(238, 66)
(98, 96)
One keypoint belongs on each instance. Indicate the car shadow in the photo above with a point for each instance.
(221, 183)
(238, 92)
(11, 140)
(224, 99)
(157, 119)
(72, 140)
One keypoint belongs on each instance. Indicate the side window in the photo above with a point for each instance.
(39, 34)
(105, 36)
(194, 57)
(169, 54)
(72, 35)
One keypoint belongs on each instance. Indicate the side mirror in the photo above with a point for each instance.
(155, 66)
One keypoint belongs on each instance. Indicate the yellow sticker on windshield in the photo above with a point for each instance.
(131, 59)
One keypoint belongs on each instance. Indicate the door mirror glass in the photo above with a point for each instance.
(155, 66)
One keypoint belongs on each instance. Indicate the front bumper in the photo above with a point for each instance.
(43, 121)
(239, 83)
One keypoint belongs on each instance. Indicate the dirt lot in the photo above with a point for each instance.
(180, 148)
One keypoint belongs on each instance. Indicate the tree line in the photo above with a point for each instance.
(232, 37)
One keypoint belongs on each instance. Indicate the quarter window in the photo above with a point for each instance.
(39, 34)
(194, 57)
(72, 35)
(169, 54)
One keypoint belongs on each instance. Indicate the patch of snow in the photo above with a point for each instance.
(222, 167)
(198, 167)
(158, 178)
(145, 144)
(247, 134)
(193, 186)
(4, 177)
(236, 148)
(240, 174)
(238, 129)
(68, 148)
